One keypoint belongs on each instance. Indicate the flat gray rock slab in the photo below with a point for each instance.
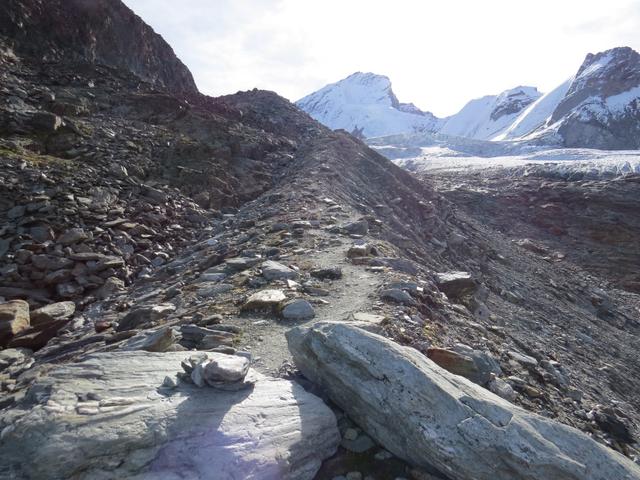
(276, 271)
(430, 417)
(264, 299)
(109, 417)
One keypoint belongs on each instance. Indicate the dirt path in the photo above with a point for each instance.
(354, 292)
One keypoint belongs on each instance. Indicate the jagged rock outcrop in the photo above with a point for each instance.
(602, 107)
(432, 418)
(111, 416)
(100, 32)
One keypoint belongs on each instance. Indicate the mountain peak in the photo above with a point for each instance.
(365, 103)
(613, 64)
(367, 77)
(602, 98)
(489, 116)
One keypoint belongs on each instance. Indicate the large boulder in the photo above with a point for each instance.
(109, 416)
(430, 417)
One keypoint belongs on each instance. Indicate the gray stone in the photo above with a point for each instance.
(359, 250)
(304, 224)
(111, 286)
(144, 315)
(212, 289)
(51, 262)
(264, 299)
(107, 262)
(298, 310)
(41, 233)
(522, 359)
(456, 285)
(501, 388)
(212, 277)
(71, 236)
(403, 265)
(485, 364)
(360, 227)
(16, 212)
(53, 312)
(169, 382)
(44, 122)
(276, 271)
(138, 429)
(327, 273)
(361, 443)
(11, 356)
(225, 368)
(205, 338)
(153, 341)
(442, 420)
(411, 287)
(69, 289)
(241, 263)
(397, 296)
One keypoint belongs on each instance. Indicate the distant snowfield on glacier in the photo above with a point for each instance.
(521, 159)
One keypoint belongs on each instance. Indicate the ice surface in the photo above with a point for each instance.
(432, 153)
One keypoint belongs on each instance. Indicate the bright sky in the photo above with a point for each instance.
(438, 54)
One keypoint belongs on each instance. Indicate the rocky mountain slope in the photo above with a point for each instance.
(597, 108)
(364, 104)
(602, 106)
(160, 249)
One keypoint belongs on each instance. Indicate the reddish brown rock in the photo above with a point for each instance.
(14, 318)
(453, 362)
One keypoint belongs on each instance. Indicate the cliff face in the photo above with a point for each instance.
(602, 107)
(97, 31)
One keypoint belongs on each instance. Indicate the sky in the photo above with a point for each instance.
(438, 54)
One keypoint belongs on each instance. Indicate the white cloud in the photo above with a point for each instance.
(437, 54)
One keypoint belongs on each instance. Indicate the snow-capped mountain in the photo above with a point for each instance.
(599, 107)
(536, 114)
(488, 117)
(602, 106)
(364, 104)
